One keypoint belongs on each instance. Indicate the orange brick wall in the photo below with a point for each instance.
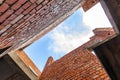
(79, 64)
(28, 62)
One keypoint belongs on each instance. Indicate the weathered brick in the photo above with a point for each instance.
(19, 11)
(45, 2)
(39, 1)
(16, 19)
(33, 1)
(13, 16)
(38, 7)
(10, 1)
(6, 22)
(29, 9)
(33, 11)
(5, 15)
(26, 5)
(18, 4)
(1, 27)
(4, 7)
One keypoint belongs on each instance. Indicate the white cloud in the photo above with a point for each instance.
(95, 17)
(66, 38)
(66, 42)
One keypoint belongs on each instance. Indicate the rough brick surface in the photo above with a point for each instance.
(80, 64)
(21, 20)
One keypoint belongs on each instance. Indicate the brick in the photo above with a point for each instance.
(3, 7)
(5, 28)
(10, 1)
(18, 4)
(16, 19)
(45, 2)
(5, 15)
(38, 7)
(39, 1)
(1, 1)
(33, 1)
(6, 22)
(1, 27)
(21, 21)
(26, 16)
(26, 5)
(33, 11)
(19, 11)
(29, 9)
(13, 16)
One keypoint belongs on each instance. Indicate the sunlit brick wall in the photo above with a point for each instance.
(79, 64)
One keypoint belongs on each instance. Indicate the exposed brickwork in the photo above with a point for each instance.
(28, 62)
(100, 35)
(21, 20)
(80, 64)
(89, 4)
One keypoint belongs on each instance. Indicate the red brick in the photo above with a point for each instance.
(19, 11)
(13, 16)
(27, 16)
(5, 23)
(18, 4)
(1, 27)
(33, 1)
(3, 7)
(29, 9)
(26, 5)
(38, 7)
(45, 2)
(5, 15)
(33, 11)
(39, 1)
(10, 1)
(21, 21)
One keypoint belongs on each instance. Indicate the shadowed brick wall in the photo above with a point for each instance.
(79, 64)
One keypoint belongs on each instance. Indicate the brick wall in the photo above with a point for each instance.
(79, 64)
(24, 21)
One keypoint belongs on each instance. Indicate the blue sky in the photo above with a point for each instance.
(68, 35)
